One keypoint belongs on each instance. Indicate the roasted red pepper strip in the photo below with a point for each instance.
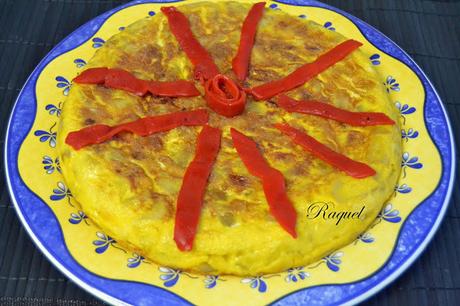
(305, 72)
(92, 76)
(205, 68)
(190, 199)
(224, 96)
(325, 110)
(143, 127)
(179, 88)
(272, 180)
(351, 167)
(240, 63)
(124, 80)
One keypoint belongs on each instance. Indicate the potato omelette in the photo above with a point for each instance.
(129, 185)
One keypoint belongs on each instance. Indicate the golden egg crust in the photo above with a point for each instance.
(129, 185)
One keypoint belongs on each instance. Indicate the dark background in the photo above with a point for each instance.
(428, 30)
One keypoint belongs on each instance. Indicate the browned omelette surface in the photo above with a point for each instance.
(129, 185)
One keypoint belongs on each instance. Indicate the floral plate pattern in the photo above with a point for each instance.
(97, 263)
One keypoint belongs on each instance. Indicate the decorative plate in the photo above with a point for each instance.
(94, 261)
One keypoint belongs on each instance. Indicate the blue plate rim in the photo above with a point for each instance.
(169, 296)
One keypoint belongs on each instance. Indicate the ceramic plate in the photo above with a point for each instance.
(98, 264)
